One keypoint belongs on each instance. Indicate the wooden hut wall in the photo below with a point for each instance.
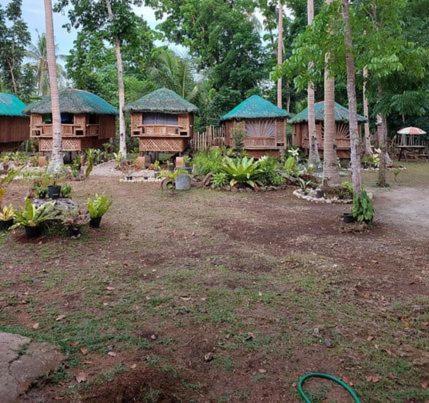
(14, 129)
(107, 127)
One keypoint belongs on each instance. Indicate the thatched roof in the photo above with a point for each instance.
(255, 107)
(162, 101)
(341, 114)
(11, 105)
(74, 101)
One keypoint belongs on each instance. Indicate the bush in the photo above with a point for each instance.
(206, 162)
(220, 180)
(363, 209)
(238, 140)
(241, 171)
(269, 174)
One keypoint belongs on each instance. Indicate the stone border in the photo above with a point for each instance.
(140, 179)
(300, 195)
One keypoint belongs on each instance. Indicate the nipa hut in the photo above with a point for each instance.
(14, 124)
(87, 121)
(262, 123)
(342, 137)
(163, 121)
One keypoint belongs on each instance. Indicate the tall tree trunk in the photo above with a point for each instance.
(367, 136)
(351, 94)
(121, 89)
(280, 53)
(313, 147)
(56, 162)
(331, 176)
(12, 76)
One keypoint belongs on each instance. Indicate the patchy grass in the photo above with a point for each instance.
(265, 283)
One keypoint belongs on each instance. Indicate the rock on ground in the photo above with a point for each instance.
(23, 362)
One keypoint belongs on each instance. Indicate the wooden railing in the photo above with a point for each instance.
(212, 137)
(161, 130)
(259, 142)
(68, 130)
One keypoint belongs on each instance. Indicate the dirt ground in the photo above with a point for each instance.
(220, 296)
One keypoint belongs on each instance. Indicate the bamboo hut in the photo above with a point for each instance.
(262, 123)
(342, 138)
(14, 124)
(87, 121)
(163, 122)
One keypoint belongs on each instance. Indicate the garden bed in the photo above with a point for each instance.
(311, 196)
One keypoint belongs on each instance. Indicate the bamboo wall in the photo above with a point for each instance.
(13, 131)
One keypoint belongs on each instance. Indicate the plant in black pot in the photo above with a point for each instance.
(66, 191)
(32, 217)
(74, 221)
(363, 208)
(54, 190)
(97, 206)
(7, 215)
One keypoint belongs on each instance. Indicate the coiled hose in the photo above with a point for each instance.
(304, 378)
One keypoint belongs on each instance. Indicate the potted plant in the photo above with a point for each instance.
(6, 217)
(74, 222)
(97, 207)
(54, 190)
(32, 217)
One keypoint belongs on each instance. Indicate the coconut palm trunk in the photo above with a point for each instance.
(351, 94)
(280, 54)
(313, 147)
(331, 176)
(382, 144)
(367, 135)
(121, 89)
(56, 162)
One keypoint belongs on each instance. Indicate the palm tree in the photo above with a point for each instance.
(121, 89)
(56, 162)
(37, 53)
(368, 149)
(175, 73)
(313, 152)
(331, 176)
(351, 93)
(280, 53)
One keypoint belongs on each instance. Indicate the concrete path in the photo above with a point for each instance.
(22, 362)
(405, 207)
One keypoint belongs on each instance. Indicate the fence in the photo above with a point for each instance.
(213, 136)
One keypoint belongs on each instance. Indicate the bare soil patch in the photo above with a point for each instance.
(265, 285)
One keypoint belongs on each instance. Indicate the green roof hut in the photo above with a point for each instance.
(14, 124)
(87, 121)
(163, 121)
(342, 138)
(263, 123)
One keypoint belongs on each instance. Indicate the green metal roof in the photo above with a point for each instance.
(255, 107)
(11, 105)
(74, 101)
(341, 114)
(163, 101)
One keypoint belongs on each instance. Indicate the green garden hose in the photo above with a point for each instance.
(332, 378)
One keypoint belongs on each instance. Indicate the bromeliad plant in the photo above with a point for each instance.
(241, 171)
(7, 214)
(97, 206)
(32, 217)
(363, 209)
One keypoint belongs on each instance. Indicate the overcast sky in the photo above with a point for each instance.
(33, 14)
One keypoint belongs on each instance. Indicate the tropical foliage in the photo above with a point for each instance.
(98, 205)
(32, 216)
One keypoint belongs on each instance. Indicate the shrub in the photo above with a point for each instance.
(238, 140)
(241, 171)
(371, 161)
(98, 205)
(206, 162)
(269, 172)
(66, 190)
(220, 180)
(363, 209)
(291, 166)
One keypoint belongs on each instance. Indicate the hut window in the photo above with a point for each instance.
(93, 119)
(47, 118)
(160, 119)
(261, 127)
(67, 119)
